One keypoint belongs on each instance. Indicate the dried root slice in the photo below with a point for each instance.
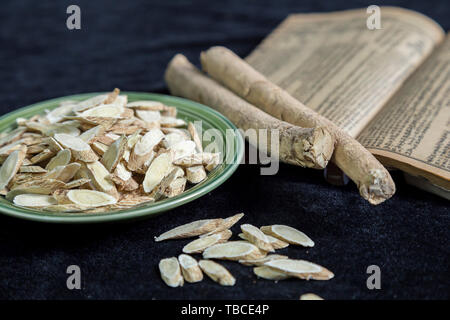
(157, 170)
(204, 158)
(80, 149)
(90, 198)
(143, 149)
(63, 173)
(47, 186)
(77, 183)
(166, 185)
(233, 250)
(32, 169)
(99, 147)
(190, 229)
(176, 187)
(288, 234)
(200, 244)
(131, 200)
(183, 149)
(276, 243)
(52, 144)
(112, 96)
(217, 272)
(42, 156)
(310, 296)
(195, 136)
(171, 122)
(34, 200)
(12, 136)
(169, 111)
(171, 272)
(195, 174)
(62, 158)
(260, 262)
(270, 273)
(190, 268)
(227, 223)
(146, 105)
(90, 135)
(114, 154)
(57, 114)
(100, 178)
(11, 166)
(90, 103)
(124, 179)
(257, 237)
(104, 111)
(173, 138)
(149, 116)
(301, 269)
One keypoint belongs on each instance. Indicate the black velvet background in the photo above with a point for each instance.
(128, 44)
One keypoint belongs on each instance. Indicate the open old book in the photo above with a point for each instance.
(389, 88)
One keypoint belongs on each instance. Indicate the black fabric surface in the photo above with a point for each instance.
(127, 44)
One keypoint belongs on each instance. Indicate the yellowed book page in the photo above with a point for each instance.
(412, 132)
(335, 65)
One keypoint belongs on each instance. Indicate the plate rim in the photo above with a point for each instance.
(139, 212)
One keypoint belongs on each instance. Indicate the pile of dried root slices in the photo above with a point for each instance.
(256, 249)
(101, 154)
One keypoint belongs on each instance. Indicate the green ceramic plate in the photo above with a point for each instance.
(233, 149)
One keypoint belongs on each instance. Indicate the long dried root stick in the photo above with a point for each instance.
(311, 147)
(373, 180)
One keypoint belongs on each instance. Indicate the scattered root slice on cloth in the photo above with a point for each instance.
(190, 269)
(260, 262)
(157, 170)
(233, 250)
(276, 243)
(195, 174)
(90, 198)
(191, 229)
(80, 149)
(143, 149)
(310, 296)
(301, 269)
(200, 244)
(257, 237)
(195, 136)
(217, 272)
(34, 200)
(11, 165)
(171, 272)
(114, 154)
(226, 223)
(270, 273)
(288, 234)
(62, 158)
